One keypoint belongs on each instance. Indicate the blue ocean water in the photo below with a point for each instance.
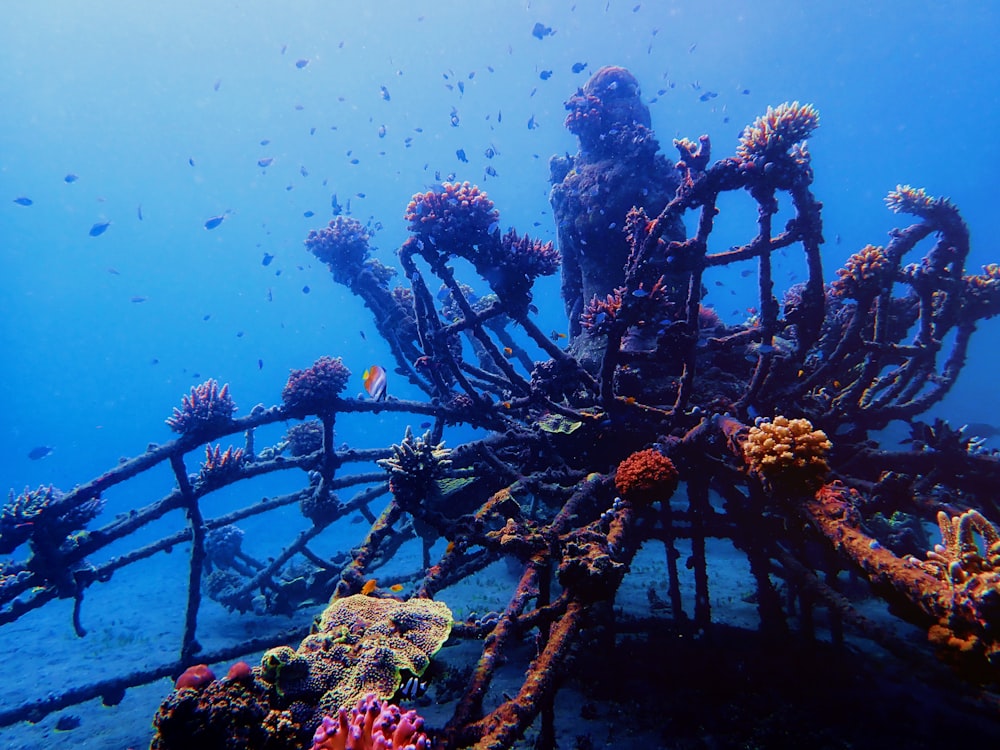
(157, 117)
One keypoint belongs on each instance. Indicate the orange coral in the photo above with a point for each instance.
(787, 454)
(863, 275)
(775, 132)
(646, 476)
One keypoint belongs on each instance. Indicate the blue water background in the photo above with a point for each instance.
(164, 108)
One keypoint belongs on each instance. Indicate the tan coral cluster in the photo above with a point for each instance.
(788, 454)
(959, 557)
(775, 132)
(863, 275)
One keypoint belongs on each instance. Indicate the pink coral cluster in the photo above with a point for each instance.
(372, 725)
(342, 244)
(315, 388)
(457, 216)
(219, 464)
(207, 406)
(600, 313)
(777, 131)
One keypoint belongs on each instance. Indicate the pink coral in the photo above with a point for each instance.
(342, 245)
(372, 725)
(460, 214)
(315, 388)
(207, 406)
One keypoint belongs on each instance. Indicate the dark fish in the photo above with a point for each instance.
(265, 142)
(384, 92)
(335, 206)
(579, 67)
(545, 75)
(490, 170)
(191, 161)
(239, 334)
(137, 299)
(308, 214)
(23, 201)
(70, 178)
(260, 364)
(746, 272)
(424, 425)
(99, 228)
(540, 31)
(266, 260)
(218, 82)
(745, 91)
(213, 222)
(40, 452)
(531, 123)
(381, 131)
(707, 95)
(363, 337)
(490, 152)
(114, 272)
(461, 155)
(461, 87)
(306, 290)
(412, 689)
(265, 162)
(454, 118)
(303, 171)
(138, 211)
(301, 63)
(206, 317)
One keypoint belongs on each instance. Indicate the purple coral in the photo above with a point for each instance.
(316, 388)
(206, 407)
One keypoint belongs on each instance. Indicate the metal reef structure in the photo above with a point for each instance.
(766, 426)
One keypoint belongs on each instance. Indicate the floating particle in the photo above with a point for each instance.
(99, 228)
(540, 31)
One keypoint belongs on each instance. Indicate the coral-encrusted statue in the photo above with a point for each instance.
(372, 724)
(207, 407)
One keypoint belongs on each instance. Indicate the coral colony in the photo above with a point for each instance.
(654, 423)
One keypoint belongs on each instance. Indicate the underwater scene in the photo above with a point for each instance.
(508, 374)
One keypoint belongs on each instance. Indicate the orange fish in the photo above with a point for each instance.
(396, 587)
(369, 587)
(375, 381)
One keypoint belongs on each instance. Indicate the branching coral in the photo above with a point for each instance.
(315, 389)
(787, 454)
(415, 467)
(906, 199)
(36, 514)
(775, 133)
(959, 557)
(454, 219)
(864, 274)
(207, 407)
(342, 245)
(220, 465)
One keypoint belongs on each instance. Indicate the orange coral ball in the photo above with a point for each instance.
(195, 677)
(646, 476)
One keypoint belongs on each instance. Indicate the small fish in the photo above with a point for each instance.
(303, 171)
(214, 221)
(425, 425)
(490, 170)
(413, 688)
(640, 293)
(215, 86)
(308, 214)
(556, 335)
(454, 118)
(381, 131)
(99, 228)
(260, 364)
(266, 260)
(396, 587)
(70, 178)
(370, 585)
(746, 272)
(206, 317)
(138, 212)
(540, 31)
(460, 153)
(531, 123)
(707, 95)
(190, 161)
(375, 381)
(306, 289)
(23, 201)
(363, 337)
(239, 334)
(579, 67)
(384, 92)
(40, 451)
(301, 63)
(265, 162)
(508, 352)
(545, 75)
(114, 271)
(137, 299)
(490, 152)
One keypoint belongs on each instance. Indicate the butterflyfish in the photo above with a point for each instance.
(375, 382)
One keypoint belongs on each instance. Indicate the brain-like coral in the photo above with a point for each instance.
(787, 454)
(372, 724)
(362, 645)
(646, 476)
(206, 407)
(864, 274)
(316, 388)
(774, 133)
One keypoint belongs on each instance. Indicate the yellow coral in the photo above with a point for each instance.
(787, 453)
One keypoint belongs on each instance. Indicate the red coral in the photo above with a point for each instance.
(195, 677)
(315, 388)
(457, 217)
(239, 671)
(646, 476)
(371, 724)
